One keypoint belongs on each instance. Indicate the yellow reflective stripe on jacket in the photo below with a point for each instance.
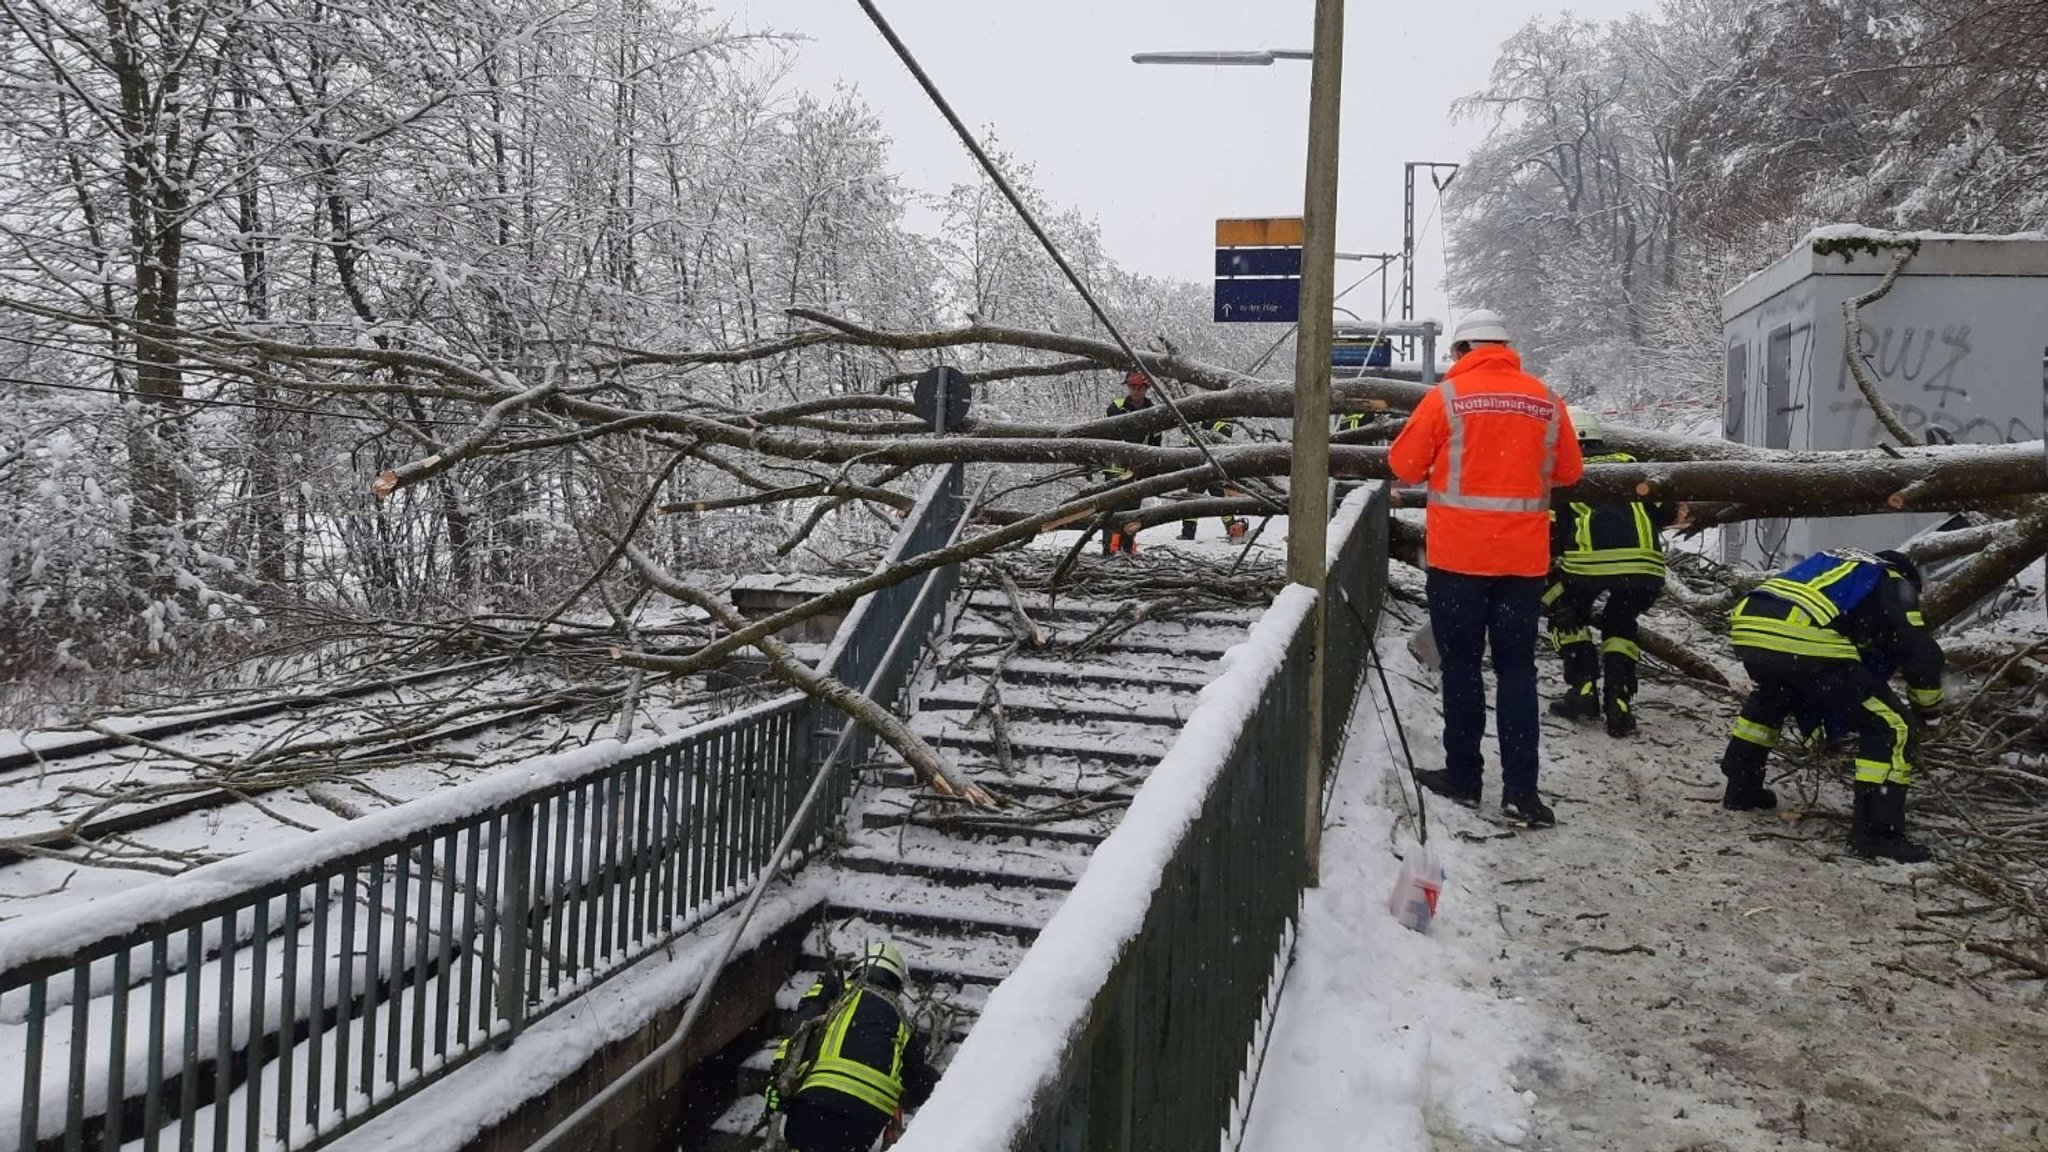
(1925, 697)
(1614, 562)
(876, 1087)
(1645, 558)
(1808, 595)
(1795, 636)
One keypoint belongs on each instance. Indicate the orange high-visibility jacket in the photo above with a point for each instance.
(1492, 441)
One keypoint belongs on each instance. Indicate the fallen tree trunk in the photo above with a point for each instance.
(917, 754)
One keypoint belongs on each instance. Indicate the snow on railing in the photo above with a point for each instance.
(280, 998)
(1142, 1002)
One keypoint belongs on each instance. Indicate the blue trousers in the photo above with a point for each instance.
(1466, 615)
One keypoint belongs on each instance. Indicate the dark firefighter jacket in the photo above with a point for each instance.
(1123, 405)
(1834, 603)
(869, 1054)
(1612, 539)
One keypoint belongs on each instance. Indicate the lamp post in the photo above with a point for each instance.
(1308, 480)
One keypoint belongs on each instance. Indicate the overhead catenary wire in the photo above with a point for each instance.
(1002, 184)
(1407, 276)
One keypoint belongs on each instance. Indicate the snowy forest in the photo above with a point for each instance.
(301, 301)
(1636, 170)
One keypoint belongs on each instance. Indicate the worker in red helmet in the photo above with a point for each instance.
(1121, 536)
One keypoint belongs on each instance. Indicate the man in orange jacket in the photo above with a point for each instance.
(1491, 440)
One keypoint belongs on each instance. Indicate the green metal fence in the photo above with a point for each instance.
(1158, 1056)
(280, 999)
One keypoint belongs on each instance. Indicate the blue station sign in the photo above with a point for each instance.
(1258, 270)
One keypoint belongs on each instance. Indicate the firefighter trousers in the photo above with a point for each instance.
(1569, 604)
(1885, 745)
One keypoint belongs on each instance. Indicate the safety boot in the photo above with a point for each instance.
(1878, 827)
(1619, 704)
(1580, 702)
(1621, 719)
(1746, 791)
(1187, 529)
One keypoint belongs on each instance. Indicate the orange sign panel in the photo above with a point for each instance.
(1265, 232)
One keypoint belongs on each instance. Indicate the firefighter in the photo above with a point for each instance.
(1491, 441)
(1234, 527)
(1802, 635)
(1119, 535)
(1602, 550)
(860, 1070)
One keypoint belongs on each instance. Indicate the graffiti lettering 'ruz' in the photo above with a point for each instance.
(1924, 360)
(1917, 369)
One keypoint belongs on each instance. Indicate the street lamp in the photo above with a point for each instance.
(1308, 477)
(1259, 58)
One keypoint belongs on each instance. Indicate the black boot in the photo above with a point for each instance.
(1879, 826)
(1187, 529)
(1620, 704)
(1746, 791)
(1580, 701)
(1621, 718)
(1438, 780)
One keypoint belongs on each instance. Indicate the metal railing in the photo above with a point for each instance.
(1158, 1057)
(276, 1000)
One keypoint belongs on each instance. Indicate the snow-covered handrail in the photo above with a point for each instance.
(1141, 1001)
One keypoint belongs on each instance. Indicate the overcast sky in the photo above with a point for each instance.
(1157, 153)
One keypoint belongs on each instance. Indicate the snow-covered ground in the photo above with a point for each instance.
(1774, 1003)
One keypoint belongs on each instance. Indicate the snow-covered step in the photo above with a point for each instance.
(922, 851)
(860, 860)
(1040, 702)
(1087, 833)
(1126, 674)
(1027, 788)
(935, 957)
(990, 907)
(741, 1127)
(1068, 608)
(1149, 636)
(1106, 741)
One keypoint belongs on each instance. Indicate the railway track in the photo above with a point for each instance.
(98, 816)
(77, 743)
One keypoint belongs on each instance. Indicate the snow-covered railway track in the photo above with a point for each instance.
(40, 750)
(80, 826)
(101, 819)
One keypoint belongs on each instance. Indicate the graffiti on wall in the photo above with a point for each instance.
(1917, 369)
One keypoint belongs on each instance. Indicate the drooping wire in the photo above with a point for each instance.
(1045, 241)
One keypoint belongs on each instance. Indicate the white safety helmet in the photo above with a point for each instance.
(882, 956)
(1586, 423)
(1479, 324)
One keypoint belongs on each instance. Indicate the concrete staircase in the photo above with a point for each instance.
(964, 893)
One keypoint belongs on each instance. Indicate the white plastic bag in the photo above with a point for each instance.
(1416, 890)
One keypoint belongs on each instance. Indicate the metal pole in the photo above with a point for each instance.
(1407, 254)
(1308, 497)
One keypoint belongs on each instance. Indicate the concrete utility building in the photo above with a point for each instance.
(1957, 348)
